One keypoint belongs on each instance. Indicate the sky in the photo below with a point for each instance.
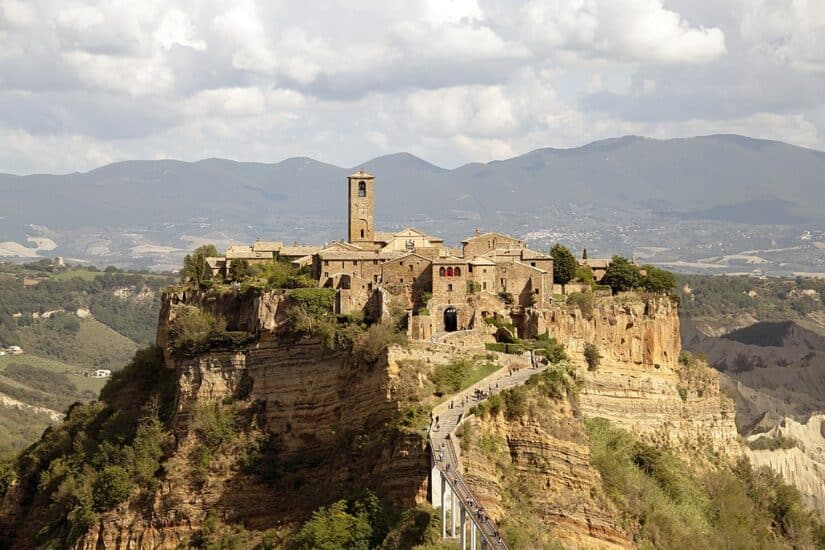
(83, 84)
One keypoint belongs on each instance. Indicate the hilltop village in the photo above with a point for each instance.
(444, 289)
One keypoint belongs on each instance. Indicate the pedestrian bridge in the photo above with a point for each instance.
(468, 519)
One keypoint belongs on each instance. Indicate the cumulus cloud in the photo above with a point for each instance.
(88, 82)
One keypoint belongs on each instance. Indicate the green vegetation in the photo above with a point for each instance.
(766, 299)
(195, 330)
(195, 270)
(622, 275)
(456, 375)
(366, 523)
(582, 301)
(86, 343)
(592, 356)
(772, 443)
(667, 506)
(101, 454)
(565, 265)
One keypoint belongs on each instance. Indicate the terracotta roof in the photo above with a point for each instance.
(598, 263)
(357, 255)
(267, 246)
(481, 260)
(488, 234)
(298, 251)
(449, 260)
(408, 254)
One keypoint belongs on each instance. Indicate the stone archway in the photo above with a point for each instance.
(450, 319)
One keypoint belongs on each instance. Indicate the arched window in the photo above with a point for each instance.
(458, 272)
(442, 271)
(449, 272)
(362, 189)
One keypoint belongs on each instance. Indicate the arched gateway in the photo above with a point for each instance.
(450, 319)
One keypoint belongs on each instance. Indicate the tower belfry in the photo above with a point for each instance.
(361, 207)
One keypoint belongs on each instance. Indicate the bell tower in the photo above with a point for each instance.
(361, 207)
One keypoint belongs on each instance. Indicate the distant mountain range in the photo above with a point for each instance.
(107, 213)
(717, 177)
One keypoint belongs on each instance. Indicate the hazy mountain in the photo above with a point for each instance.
(697, 176)
(610, 196)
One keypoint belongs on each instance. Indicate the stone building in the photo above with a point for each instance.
(441, 289)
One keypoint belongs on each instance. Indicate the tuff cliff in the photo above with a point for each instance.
(312, 423)
(643, 382)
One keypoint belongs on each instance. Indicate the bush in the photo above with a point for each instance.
(112, 486)
(583, 301)
(507, 298)
(370, 346)
(766, 443)
(515, 402)
(317, 302)
(193, 329)
(592, 356)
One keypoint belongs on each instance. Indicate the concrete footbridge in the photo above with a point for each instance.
(468, 519)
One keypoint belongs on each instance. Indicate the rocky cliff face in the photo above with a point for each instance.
(802, 465)
(533, 474)
(640, 384)
(325, 416)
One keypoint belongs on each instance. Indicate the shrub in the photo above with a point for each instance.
(112, 486)
(583, 301)
(473, 287)
(592, 356)
(193, 329)
(214, 423)
(507, 298)
(317, 302)
(370, 346)
(766, 443)
(515, 402)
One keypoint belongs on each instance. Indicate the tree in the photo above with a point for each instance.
(584, 254)
(334, 528)
(564, 264)
(194, 265)
(240, 270)
(621, 275)
(658, 280)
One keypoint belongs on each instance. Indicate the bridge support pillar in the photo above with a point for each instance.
(452, 511)
(461, 526)
(443, 506)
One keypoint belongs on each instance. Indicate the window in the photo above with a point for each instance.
(375, 262)
(537, 291)
(533, 264)
(402, 262)
(411, 267)
(470, 268)
(442, 271)
(362, 233)
(402, 280)
(484, 270)
(457, 272)
(326, 273)
(449, 272)
(326, 262)
(449, 287)
(354, 262)
(484, 285)
(375, 278)
(362, 190)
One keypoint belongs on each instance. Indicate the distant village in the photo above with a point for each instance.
(444, 289)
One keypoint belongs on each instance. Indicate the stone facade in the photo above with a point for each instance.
(443, 289)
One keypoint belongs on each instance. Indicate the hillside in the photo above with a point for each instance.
(68, 322)
(754, 198)
(285, 427)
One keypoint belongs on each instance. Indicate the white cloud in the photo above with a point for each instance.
(792, 31)
(83, 82)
